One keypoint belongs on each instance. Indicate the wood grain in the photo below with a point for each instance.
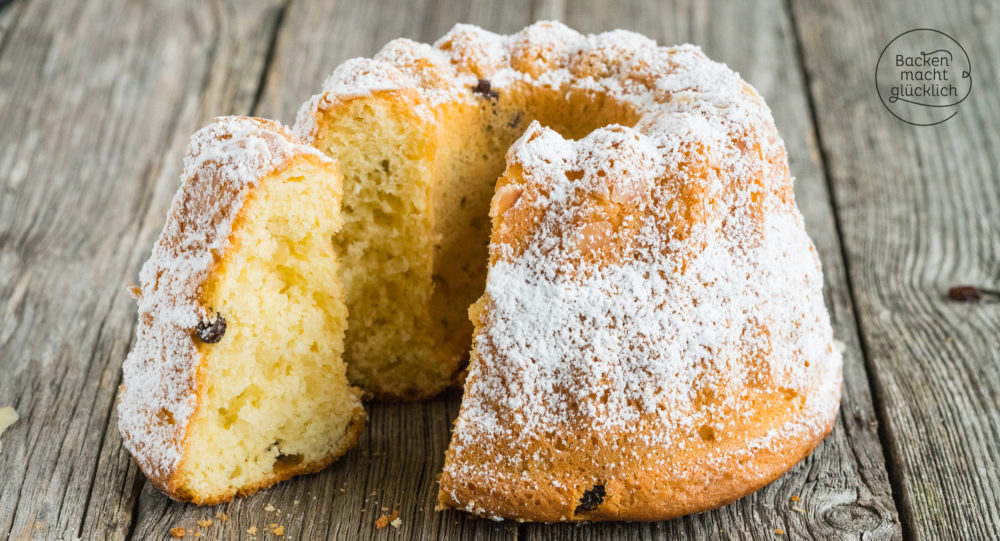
(100, 98)
(919, 211)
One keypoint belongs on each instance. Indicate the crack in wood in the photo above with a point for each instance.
(873, 384)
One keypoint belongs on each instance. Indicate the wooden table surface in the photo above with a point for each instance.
(98, 99)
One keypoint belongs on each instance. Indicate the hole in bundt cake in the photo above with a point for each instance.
(591, 499)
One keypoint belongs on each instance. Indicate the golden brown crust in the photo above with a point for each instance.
(651, 498)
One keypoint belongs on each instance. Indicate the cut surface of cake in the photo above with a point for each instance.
(236, 379)
(420, 134)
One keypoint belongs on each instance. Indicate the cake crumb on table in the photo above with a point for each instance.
(7, 417)
(204, 523)
(779, 531)
(396, 523)
(277, 530)
(386, 520)
(252, 530)
(222, 516)
(796, 498)
(178, 532)
(798, 509)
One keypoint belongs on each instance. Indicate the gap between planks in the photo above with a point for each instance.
(877, 393)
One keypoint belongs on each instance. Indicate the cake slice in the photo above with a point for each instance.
(236, 379)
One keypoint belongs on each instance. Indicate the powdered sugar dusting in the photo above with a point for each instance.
(224, 161)
(622, 64)
(629, 342)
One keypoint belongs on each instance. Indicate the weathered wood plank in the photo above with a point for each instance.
(99, 99)
(62, 260)
(919, 210)
(397, 461)
(843, 486)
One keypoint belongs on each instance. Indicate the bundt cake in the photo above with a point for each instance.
(652, 339)
(649, 338)
(236, 379)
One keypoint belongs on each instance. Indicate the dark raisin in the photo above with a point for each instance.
(591, 499)
(514, 121)
(483, 88)
(965, 294)
(212, 331)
